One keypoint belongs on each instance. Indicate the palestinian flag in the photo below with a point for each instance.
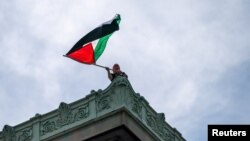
(90, 47)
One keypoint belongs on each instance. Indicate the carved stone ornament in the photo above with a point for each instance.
(8, 133)
(120, 81)
(65, 115)
(47, 127)
(26, 135)
(160, 119)
(137, 106)
(103, 102)
(82, 113)
(151, 121)
(168, 136)
(157, 124)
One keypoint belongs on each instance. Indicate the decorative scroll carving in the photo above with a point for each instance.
(8, 133)
(48, 126)
(168, 136)
(82, 113)
(137, 105)
(26, 135)
(151, 121)
(65, 115)
(157, 124)
(103, 102)
(160, 119)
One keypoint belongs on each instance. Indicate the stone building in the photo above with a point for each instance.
(114, 114)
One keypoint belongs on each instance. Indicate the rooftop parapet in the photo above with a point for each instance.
(119, 94)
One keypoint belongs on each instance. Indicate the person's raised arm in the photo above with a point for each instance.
(109, 74)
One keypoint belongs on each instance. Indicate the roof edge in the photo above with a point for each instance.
(96, 104)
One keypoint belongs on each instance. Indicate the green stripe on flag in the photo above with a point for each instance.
(101, 46)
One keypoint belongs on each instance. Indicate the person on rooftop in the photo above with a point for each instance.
(116, 72)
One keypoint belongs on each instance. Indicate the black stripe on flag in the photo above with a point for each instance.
(101, 31)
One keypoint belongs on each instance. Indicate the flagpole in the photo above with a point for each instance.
(102, 66)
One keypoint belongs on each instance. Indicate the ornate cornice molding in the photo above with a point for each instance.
(119, 94)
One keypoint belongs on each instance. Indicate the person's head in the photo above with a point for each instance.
(116, 69)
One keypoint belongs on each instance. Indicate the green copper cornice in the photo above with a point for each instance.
(118, 95)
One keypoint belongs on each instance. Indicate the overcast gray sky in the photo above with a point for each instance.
(189, 58)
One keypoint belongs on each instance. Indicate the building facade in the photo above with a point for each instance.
(117, 113)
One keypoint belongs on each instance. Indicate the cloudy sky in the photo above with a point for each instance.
(189, 58)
